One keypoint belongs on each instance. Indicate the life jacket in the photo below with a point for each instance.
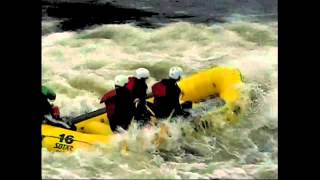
(55, 112)
(109, 101)
(132, 81)
(159, 90)
(109, 95)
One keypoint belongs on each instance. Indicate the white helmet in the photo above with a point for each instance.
(142, 73)
(175, 72)
(120, 80)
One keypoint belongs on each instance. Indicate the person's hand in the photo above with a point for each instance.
(136, 100)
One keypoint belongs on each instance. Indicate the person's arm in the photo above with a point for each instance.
(177, 106)
(141, 95)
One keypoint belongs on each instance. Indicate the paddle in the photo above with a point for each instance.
(153, 119)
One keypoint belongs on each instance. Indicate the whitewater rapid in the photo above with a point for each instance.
(80, 67)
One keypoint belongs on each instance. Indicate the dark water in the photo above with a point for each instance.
(76, 14)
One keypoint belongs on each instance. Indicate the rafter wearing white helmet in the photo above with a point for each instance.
(175, 72)
(142, 73)
(120, 80)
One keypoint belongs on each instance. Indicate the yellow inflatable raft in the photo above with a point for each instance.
(95, 129)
